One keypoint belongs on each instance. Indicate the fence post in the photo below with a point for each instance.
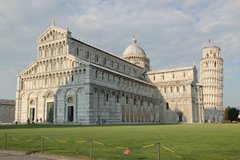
(42, 145)
(5, 141)
(91, 149)
(158, 148)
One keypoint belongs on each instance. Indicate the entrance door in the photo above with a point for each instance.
(179, 117)
(70, 113)
(50, 107)
(32, 114)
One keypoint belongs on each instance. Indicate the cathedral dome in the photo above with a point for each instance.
(136, 55)
(134, 50)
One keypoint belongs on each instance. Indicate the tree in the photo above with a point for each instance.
(231, 114)
(234, 114)
(226, 114)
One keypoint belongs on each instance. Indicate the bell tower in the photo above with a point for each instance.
(211, 78)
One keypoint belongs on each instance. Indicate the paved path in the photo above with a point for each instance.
(12, 155)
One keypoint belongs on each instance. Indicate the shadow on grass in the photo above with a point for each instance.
(32, 151)
(49, 125)
(45, 150)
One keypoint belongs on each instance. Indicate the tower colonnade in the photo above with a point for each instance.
(211, 77)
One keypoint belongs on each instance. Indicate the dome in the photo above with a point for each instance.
(133, 49)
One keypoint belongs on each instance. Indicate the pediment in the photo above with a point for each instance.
(53, 33)
(31, 69)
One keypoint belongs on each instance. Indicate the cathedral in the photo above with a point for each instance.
(74, 82)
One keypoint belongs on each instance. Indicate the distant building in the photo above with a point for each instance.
(7, 111)
(72, 81)
(179, 88)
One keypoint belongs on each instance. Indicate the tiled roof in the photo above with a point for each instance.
(7, 102)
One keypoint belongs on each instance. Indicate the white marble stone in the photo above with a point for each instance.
(87, 85)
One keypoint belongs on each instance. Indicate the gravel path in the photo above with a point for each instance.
(13, 155)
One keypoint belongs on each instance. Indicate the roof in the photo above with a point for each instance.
(102, 50)
(172, 69)
(212, 47)
(134, 49)
(7, 102)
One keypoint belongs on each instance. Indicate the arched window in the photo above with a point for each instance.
(135, 101)
(87, 55)
(70, 100)
(118, 98)
(96, 74)
(107, 97)
(127, 100)
(77, 51)
(112, 63)
(102, 75)
(167, 106)
(105, 61)
(96, 58)
(32, 102)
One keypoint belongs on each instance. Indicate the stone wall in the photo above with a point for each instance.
(7, 111)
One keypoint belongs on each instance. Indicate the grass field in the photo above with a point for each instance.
(188, 141)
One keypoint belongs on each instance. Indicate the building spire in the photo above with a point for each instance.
(209, 42)
(53, 22)
(134, 40)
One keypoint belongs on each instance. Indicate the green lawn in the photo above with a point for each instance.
(188, 141)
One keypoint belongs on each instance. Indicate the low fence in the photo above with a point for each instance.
(43, 140)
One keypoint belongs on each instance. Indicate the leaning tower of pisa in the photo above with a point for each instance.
(211, 77)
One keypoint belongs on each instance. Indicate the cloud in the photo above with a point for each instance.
(172, 33)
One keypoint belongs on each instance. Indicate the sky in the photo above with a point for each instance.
(171, 32)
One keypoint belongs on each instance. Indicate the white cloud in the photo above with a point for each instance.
(171, 32)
